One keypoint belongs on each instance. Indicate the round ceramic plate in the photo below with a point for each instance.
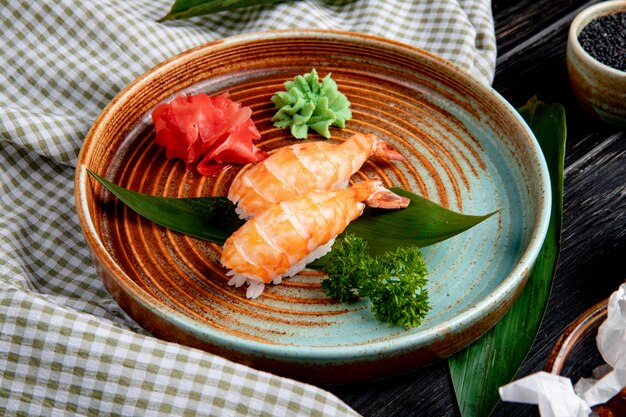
(466, 149)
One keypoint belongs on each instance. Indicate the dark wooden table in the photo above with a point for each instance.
(531, 38)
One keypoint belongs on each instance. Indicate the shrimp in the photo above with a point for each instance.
(284, 238)
(297, 169)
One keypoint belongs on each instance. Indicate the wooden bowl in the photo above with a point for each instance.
(466, 148)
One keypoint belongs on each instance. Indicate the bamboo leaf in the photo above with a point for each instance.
(494, 359)
(208, 218)
(214, 219)
(422, 223)
(184, 9)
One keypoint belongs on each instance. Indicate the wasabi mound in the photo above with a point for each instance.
(307, 103)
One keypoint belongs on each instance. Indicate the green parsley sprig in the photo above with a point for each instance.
(395, 283)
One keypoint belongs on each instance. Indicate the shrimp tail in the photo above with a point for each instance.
(386, 199)
(374, 194)
(385, 150)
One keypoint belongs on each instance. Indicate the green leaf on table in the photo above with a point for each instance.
(493, 360)
(214, 219)
(184, 9)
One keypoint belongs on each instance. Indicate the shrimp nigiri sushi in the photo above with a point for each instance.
(297, 169)
(284, 238)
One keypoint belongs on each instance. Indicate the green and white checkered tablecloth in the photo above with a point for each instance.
(66, 348)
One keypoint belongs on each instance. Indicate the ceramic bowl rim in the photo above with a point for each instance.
(509, 286)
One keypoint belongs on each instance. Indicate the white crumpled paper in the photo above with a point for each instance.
(555, 395)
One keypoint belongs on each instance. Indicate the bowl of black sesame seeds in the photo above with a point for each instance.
(596, 60)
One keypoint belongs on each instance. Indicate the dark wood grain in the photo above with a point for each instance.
(518, 21)
(531, 38)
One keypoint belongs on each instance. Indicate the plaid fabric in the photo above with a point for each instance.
(66, 348)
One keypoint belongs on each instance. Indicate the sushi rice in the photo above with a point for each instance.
(256, 287)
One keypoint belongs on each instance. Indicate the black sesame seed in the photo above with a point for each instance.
(604, 39)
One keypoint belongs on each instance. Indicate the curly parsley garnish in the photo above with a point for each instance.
(395, 283)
